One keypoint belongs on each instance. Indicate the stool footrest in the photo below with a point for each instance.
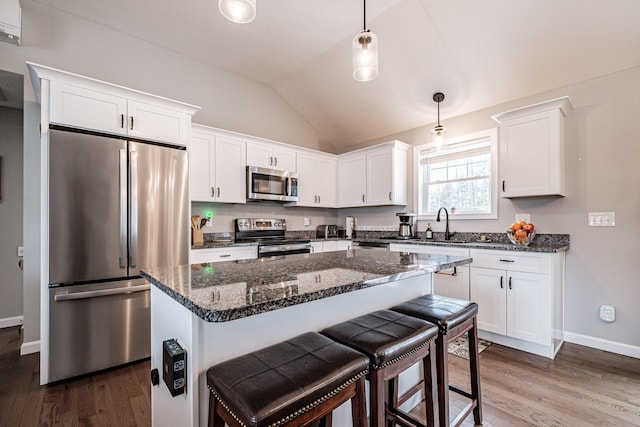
(403, 419)
(461, 391)
(464, 414)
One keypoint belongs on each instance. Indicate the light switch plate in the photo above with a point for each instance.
(523, 217)
(602, 219)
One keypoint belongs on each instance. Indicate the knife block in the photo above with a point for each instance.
(197, 238)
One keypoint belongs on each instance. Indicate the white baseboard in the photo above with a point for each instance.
(11, 321)
(30, 347)
(601, 344)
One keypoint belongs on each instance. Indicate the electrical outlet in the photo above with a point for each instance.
(602, 219)
(523, 217)
(306, 221)
(20, 250)
(607, 313)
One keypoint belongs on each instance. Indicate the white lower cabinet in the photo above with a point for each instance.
(330, 246)
(231, 253)
(452, 282)
(520, 298)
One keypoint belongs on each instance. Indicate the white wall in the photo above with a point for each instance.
(602, 152)
(10, 212)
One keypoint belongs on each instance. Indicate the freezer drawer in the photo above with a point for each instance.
(97, 326)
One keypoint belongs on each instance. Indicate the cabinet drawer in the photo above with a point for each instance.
(512, 261)
(223, 254)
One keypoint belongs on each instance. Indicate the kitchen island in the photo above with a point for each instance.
(223, 310)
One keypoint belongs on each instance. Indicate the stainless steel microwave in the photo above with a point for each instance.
(271, 184)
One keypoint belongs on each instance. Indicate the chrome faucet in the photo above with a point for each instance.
(447, 234)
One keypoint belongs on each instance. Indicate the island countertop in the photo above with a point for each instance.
(224, 291)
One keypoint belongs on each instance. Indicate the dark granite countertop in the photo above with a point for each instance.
(503, 246)
(224, 291)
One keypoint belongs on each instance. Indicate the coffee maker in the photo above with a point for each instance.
(407, 228)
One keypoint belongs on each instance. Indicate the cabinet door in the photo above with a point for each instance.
(88, 109)
(157, 123)
(260, 155)
(230, 170)
(452, 282)
(201, 178)
(379, 177)
(327, 187)
(308, 183)
(528, 307)
(531, 161)
(284, 159)
(316, 247)
(352, 178)
(488, 289)
(231, 253)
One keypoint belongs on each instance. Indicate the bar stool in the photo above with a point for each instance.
(454, 318)
(294, 383)
(393, 342)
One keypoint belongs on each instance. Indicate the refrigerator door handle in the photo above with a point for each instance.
(122, 238)
(133, 248)
(100, 293)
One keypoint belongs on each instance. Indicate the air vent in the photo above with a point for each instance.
(10, 21)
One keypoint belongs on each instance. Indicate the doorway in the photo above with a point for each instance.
(11, 197)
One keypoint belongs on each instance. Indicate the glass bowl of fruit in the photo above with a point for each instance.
(521, 233)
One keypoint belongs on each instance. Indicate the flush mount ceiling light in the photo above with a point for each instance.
(365, 53)
(238, 11)
(438, 130)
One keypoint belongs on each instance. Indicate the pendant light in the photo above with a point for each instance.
(365, 53)
(238, 11)
(438, 130)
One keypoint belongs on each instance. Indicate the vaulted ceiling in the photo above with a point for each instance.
(478, 52)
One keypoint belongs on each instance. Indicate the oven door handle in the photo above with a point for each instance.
(283, 248)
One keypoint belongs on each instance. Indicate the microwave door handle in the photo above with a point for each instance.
(288, 191)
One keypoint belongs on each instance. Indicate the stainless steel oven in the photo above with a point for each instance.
(271, 184)
(269, 233)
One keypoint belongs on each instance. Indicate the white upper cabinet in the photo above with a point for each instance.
(374, 176)
(532, 149)
(91, 109)
(217, 170)
(271, 156)
(317, 180)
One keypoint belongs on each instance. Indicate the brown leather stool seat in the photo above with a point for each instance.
(293, 383)
(393, 342)
(454, 318)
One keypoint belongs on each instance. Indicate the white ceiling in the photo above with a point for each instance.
(479, 53)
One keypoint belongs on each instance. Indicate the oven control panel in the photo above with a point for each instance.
(251, 224)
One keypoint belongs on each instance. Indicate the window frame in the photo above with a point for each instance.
(492, 135)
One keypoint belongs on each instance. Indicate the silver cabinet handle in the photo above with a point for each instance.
(225, 255)
(363, 198)
(270, 161)
(315, 199)
(501, 282)
(510, 282)
(446, 273)
(507, 260)
(318, 199)
(276, 161)
(213, 192)
(122, 239)
(131, 122)
(100, 293)
(133, 202)
(122, 121)
(218, 191)
(389, 195)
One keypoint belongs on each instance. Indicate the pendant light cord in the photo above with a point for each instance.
(364, 23)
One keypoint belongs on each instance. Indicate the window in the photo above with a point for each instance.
(462, 177)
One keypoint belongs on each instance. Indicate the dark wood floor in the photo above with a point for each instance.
(581, 387)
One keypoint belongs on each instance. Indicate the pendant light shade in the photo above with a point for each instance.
(238, 11)
(439, 130)
(365, 53)
(365, 56)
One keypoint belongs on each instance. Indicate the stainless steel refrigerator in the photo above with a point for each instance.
(115, 205)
